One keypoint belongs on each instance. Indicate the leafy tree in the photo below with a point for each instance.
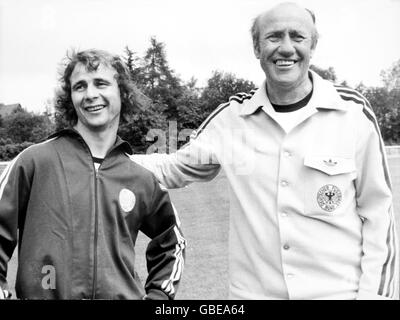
(10, 151)
(134, 64)
(136, 131)
(189, 106)
(2, 130)
(24, 126)
(385, 102)
(5, 140)
(391, 77)
(327, 74)
(219, 88)
(159, 81)
(386, 106)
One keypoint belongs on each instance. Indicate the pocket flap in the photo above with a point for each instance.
(330, 165)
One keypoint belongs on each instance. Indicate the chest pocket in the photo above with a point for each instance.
(328, 185)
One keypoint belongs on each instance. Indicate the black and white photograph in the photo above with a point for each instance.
(199, 150)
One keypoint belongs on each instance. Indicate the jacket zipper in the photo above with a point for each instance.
(95, 239)
(95, 235)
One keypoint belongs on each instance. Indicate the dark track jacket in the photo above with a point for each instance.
(77, 227)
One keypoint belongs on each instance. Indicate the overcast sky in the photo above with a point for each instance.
(359, 38)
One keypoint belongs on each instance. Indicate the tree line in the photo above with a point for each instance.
(184, 103)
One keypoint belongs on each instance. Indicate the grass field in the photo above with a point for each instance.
(203, 209)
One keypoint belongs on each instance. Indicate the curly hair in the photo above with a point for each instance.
(132, 100)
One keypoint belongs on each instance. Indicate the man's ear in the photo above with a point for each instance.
(312, 52)
(313, 46)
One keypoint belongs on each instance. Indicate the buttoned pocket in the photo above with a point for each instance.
(328, 185)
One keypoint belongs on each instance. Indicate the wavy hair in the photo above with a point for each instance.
(132, 100)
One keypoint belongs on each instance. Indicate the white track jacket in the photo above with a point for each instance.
(311, 213)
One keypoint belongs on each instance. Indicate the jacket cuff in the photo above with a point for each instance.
(367, 295)
(155, 294)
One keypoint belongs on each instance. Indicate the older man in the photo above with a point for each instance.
(79, 201)
(311, 204)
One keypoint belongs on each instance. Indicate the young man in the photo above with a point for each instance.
(311, 203)
(79, 201)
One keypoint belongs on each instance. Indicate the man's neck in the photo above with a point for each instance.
(99, 142)
(285, 95)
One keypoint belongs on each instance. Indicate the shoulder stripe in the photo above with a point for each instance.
(381, 146)
(393, 268)
(211, 116)
(394, 279)
(239, 98)
(358, 100)
(169, 285)
(241, 94)
(352, 93)
(349, 90)
(7, 171)
(5, 175)
(388, 269)
(178, 221)
(388, 278)
(352, 98)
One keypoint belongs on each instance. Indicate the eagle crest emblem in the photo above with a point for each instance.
(329, 197)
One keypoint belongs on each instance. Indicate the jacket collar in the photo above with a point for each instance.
(71, 132)
(324, 96)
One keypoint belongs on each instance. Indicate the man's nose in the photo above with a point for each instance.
(286, 47)
(91, 92)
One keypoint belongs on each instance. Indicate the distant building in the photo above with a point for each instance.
(7, 109)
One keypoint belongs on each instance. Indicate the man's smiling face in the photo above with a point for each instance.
(285, 46)
(96, 97)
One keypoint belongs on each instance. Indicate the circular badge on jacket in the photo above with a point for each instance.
(127, 200)
(329, 197)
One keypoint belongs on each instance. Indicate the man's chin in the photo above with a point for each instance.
(100, 127)
(285, 79)
(96, 126)
(99, 124)
(284, 82)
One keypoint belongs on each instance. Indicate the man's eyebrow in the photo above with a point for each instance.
(102, 80)
(78, 83)
(296, 32)
(275, 33)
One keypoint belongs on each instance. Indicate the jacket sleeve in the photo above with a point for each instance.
(166, 250)
(14, 195)
(379, 262)
(196, 161)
